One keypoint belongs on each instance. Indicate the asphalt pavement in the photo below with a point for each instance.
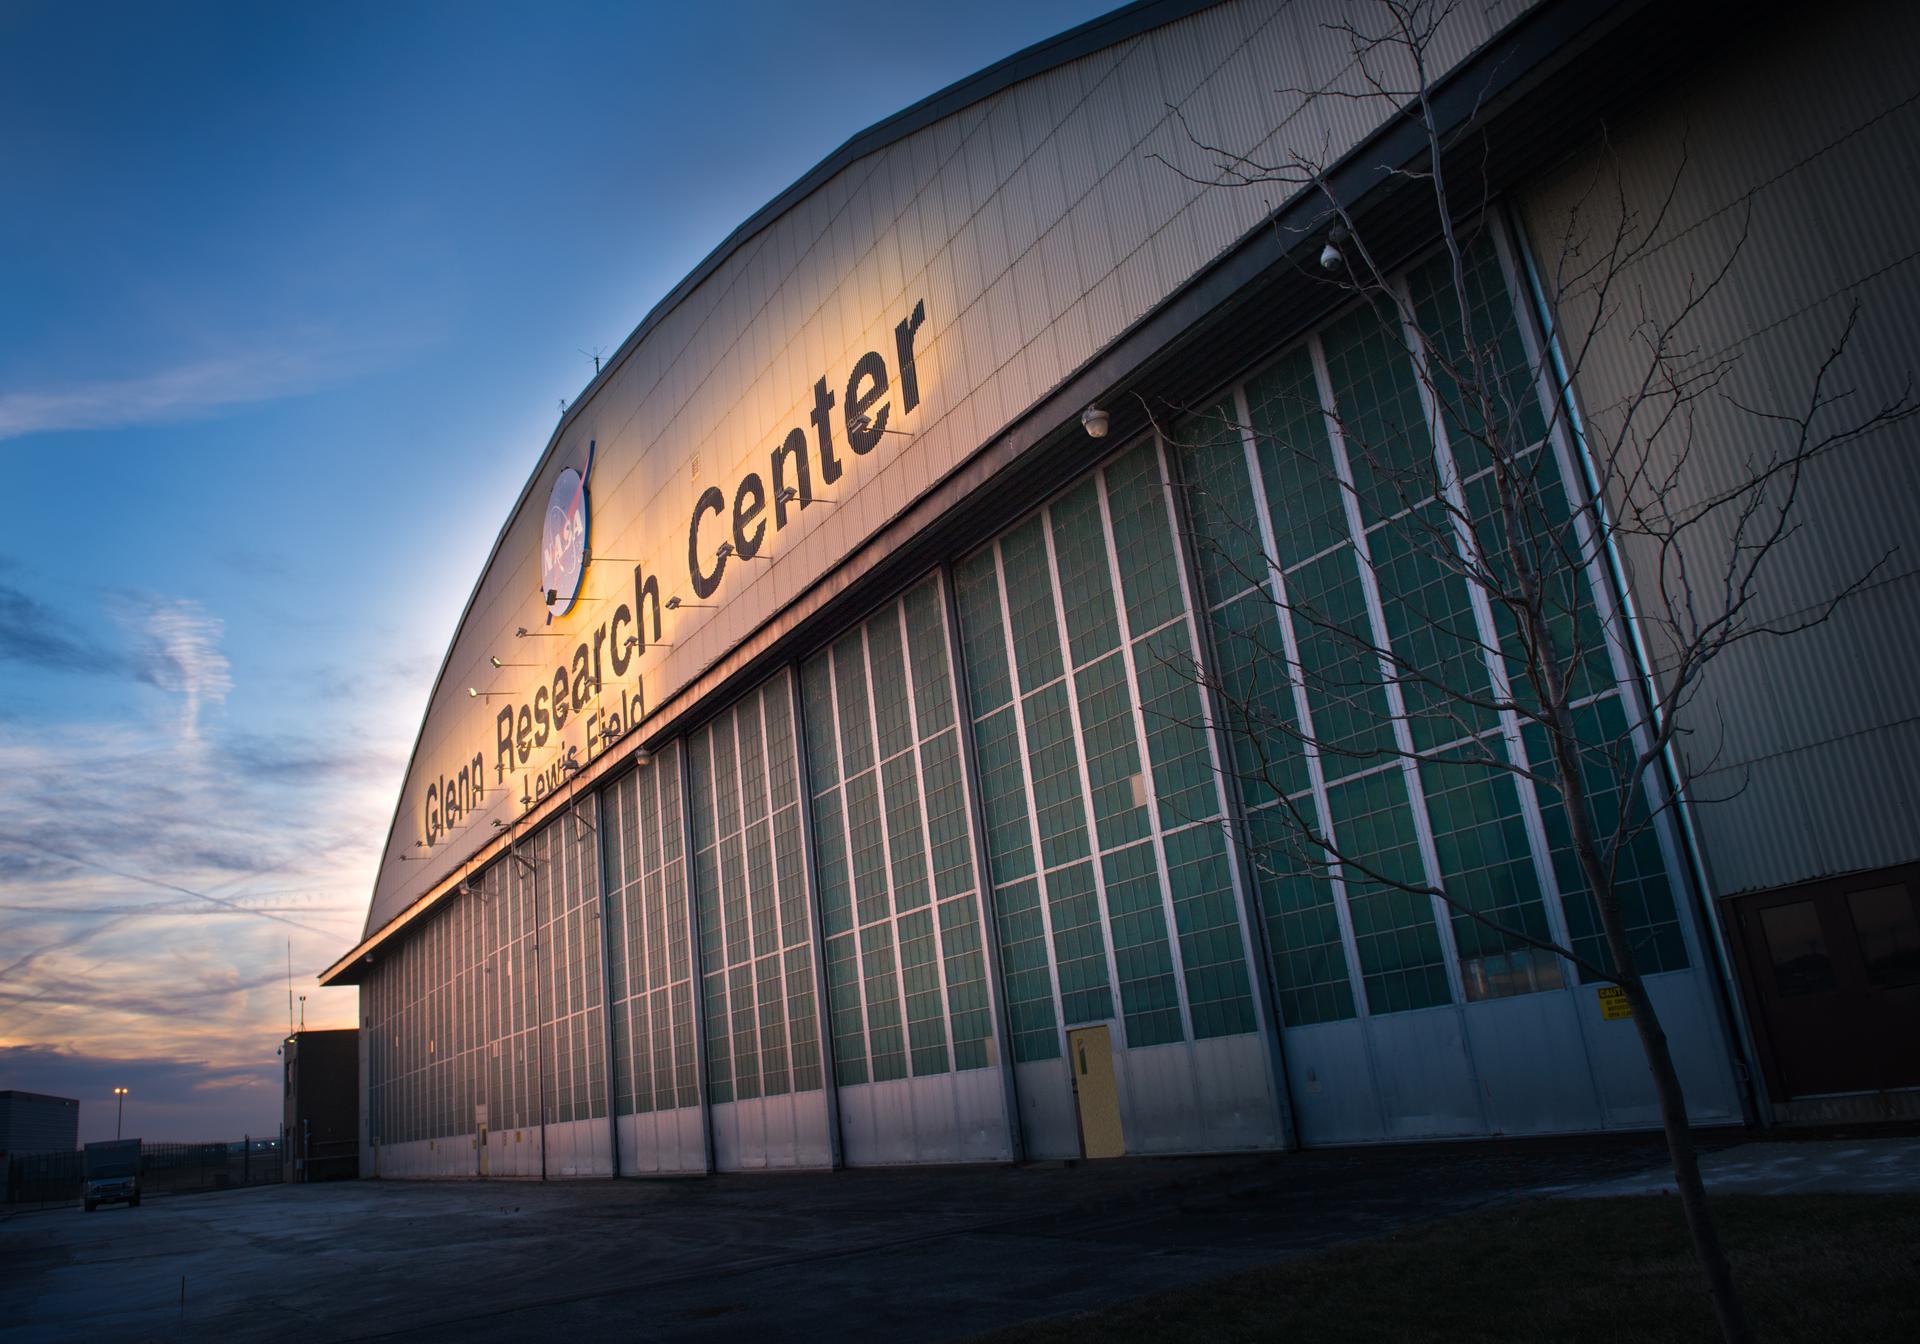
(922, 1253)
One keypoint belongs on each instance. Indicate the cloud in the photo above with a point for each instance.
(185, 658)
(187, 392)
(159, 870)
(171, 1098)
(34, 634)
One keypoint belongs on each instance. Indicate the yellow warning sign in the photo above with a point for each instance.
(1613, 1003)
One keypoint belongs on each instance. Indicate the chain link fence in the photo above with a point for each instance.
(43, 1179)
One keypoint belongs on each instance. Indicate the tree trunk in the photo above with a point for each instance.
(1727, 1308)
(1565, 746)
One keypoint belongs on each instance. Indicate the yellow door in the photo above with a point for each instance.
(1090, 1054)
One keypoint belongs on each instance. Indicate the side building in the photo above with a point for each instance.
(33, 1122)
(836, 761)
(319, 1126)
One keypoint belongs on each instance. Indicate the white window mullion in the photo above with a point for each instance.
(1136, 716)
(1296, 680)
(1485, 632)
(892, 917)
(1118, 1015)
(1017, 707)
(1619, 623)
(926, 840)
(1191, 600)
(1396, 701)
(846, 855)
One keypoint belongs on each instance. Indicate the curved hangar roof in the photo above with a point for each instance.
(755, 446)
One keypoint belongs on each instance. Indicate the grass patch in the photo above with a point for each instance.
(1811, 1267)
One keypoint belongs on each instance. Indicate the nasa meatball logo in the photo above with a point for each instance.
(563, 538)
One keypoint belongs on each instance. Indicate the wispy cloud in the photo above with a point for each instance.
(185, 392)
(155, 863)
(185, 657)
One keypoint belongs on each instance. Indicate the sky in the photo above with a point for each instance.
(289, 299)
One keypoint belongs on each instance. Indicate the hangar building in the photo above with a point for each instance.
(829, 767)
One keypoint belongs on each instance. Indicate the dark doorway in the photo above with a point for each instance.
(1832, 973)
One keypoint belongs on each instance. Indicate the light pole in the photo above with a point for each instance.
(120, 1095)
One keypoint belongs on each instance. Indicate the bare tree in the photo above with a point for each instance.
(1495, 538)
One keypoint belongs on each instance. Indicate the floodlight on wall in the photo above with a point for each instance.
(642, 757)
(475, 693)
(863, 424)
(789, 495)
(1331, 258)
(1094, 421)
(524, 633)
(725, 549)
(674, 604)
(497, 664)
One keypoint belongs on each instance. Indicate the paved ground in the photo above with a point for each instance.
(940, 1253)
(1863, 1166)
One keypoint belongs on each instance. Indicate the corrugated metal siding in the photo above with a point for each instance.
(1053, 177)
(1808, 138)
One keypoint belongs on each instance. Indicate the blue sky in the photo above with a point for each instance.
(289, 298)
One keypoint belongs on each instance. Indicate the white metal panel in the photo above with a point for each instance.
(1534, 1077)
(1620, 1065)
(658, 1143)
(1424, 1074)
(1049, 1126)
(771, 1132)
(1330, 1082)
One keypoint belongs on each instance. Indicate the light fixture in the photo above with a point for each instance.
(497, 664)
(1094, 421)
(524, 633)
(674, 604)
(863, 424)
(642, 757)
(498, 824)
(475, 693)
(634, 640)
(1331, 258)
(789, 495)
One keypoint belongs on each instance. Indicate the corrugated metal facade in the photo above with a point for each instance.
(1035, 226)
(1797, 159)
(870, 910)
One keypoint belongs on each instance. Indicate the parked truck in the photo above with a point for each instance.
(112, 1173)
